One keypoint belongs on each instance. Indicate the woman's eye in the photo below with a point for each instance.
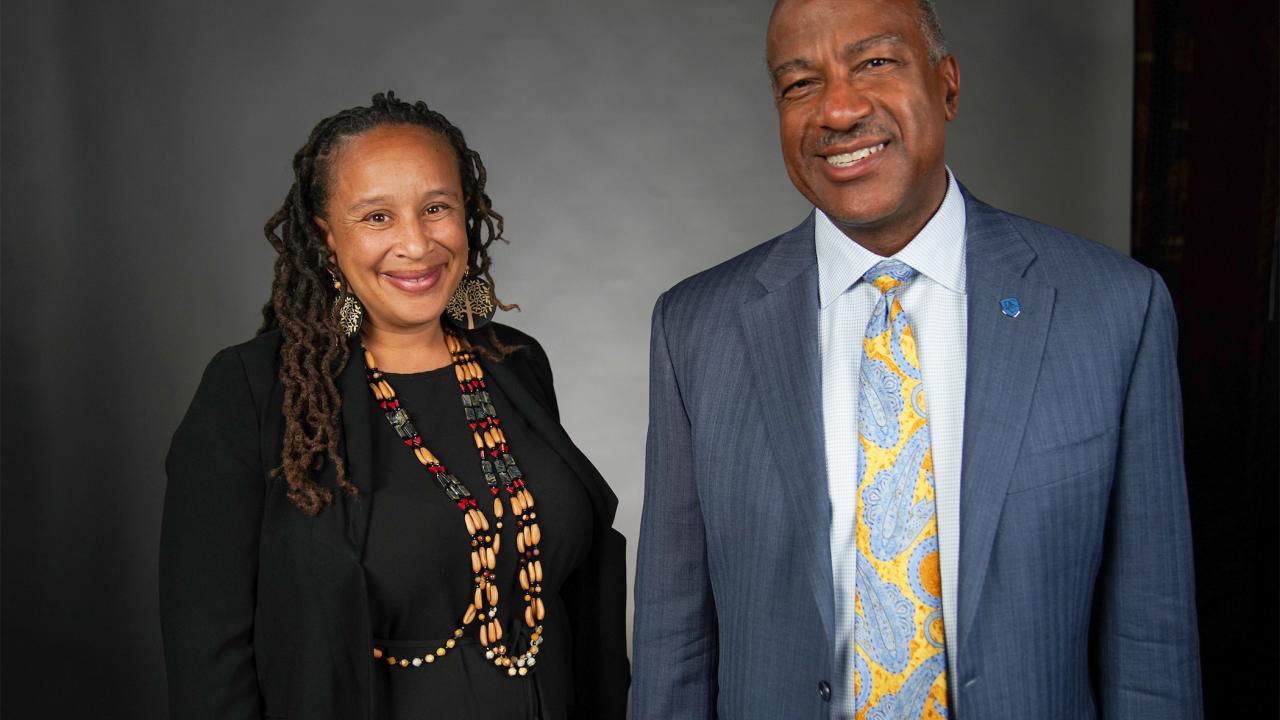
(436, 209)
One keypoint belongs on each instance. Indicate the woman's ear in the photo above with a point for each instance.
(323, 227)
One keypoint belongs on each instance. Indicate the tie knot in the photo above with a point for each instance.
(889, 274)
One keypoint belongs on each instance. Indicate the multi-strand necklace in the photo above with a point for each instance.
(503, 477)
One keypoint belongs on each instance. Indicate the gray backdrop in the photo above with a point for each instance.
(628, 145)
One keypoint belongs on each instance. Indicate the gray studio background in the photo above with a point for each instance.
(628, 145)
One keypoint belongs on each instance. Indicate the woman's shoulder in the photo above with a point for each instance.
(257, 357)
(507, 334)
(523, 355)
(511, 344)
(248, 366)
(261, 352)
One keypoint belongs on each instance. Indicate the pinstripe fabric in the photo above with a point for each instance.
(1074, 597)
(936, 304)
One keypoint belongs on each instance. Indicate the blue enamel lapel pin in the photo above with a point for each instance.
(1011, 307)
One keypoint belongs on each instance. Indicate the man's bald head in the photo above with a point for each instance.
(930, 26)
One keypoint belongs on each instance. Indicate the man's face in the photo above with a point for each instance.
(862, 110)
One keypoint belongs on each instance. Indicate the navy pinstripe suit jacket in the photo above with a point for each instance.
(1075, 595)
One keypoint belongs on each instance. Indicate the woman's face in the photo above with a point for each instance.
(396, 222)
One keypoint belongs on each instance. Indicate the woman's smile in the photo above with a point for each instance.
(414, 281)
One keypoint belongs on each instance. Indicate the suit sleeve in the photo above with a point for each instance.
(676, 642)
(1146, 643)
(209, 550)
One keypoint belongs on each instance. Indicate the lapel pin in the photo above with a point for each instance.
(1011, 307)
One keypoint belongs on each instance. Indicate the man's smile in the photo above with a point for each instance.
(849, 158)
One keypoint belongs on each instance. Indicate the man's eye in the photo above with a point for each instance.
(796, 86)
(878, 62)
(377, 217)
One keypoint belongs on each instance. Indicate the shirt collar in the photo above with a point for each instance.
(937, 252)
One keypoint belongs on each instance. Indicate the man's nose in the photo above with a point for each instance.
(844, 105)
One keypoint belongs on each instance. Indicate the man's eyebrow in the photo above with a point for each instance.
(789, 66)
(852, 49)
(861, 46)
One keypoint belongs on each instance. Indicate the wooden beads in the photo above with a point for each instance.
(419, 661)
(503, 476)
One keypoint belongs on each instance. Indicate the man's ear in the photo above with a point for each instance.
(949, 69)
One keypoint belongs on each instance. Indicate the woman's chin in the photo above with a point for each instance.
(409, 322)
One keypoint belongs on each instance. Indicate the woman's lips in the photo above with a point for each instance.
(414, 281)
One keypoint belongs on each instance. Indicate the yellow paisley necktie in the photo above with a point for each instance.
(900, 655)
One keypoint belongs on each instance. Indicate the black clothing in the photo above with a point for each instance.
(266, 612)
(418, 563)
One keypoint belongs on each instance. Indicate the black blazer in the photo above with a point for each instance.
(265, 611)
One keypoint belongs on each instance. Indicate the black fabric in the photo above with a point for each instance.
(418, 564)
(266, 612)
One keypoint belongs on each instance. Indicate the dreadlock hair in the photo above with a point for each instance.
(303, 304)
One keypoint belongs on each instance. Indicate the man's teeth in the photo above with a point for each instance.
(848, 159)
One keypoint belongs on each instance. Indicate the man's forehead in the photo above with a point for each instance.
(800, 21)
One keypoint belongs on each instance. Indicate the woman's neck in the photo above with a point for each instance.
(407, 351)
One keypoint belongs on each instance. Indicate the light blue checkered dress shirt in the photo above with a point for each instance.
(935, 304)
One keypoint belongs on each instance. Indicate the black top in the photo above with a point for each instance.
(417, 561)
(266, 610)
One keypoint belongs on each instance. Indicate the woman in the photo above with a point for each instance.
(373, 512)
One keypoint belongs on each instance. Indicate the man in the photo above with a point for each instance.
(916, 458)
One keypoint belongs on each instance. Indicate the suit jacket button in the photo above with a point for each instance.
(824, 690)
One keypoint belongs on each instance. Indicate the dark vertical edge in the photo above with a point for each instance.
(1206, 158)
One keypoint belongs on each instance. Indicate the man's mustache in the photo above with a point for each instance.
(857, 132)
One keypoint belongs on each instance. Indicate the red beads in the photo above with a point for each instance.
(500, 471)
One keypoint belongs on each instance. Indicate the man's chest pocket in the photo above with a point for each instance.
(1075, 460)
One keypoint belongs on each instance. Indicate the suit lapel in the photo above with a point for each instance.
(1004, 361)
(781, 331)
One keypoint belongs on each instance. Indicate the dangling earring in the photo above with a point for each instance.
(472, 304)
(350, 311)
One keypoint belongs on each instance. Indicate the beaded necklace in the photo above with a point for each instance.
(503, 477)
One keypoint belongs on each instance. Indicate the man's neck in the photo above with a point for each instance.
(888, 239)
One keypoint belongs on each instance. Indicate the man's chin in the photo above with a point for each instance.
(851, 218)
(863, 204)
